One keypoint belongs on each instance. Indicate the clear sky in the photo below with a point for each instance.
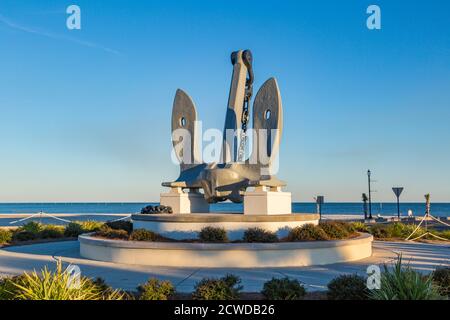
(85, 114)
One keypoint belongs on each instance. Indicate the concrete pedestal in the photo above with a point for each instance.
(184, 202)
(267, 201)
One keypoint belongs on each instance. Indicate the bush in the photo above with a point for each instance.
(259, 235)
(120, 225)
(334, 230)
(396, 230)
(154, 289)
(212, 234)
(226, 288)
(90, 225)
(404, 283)
(107, 232)
(360, 226)
(444, 234)
(5, 236)
(378, 231)
(348, 287)
(441, 278)
(33, 227)
(283, 289)
(73, 229)
(52, 232)
(307, 232)
(57, 285)
(19, 235)
(8, 288)
(144, 235)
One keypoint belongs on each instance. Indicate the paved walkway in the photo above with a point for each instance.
(15, 260)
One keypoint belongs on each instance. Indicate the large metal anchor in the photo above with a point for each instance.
(229, 179)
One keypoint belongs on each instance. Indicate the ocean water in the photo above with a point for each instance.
(351, 208)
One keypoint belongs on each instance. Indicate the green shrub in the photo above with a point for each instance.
(8, 288)
(378, 231)
(5, 236)
(144, 235)
(24, 235)
(52, 232)
(155, 289)
(120, 225)
(348, 287)
(307, 232)
(107, 232)
(360, 226)
(33, 227)
(90, 225)
(283, 289)
(55, 285)
(444, 234)
(212, 234)
(404, 283)
(441, 278)
(334, 230)
(259, 235)
(226, 288)
(73, 229)
(396, 230)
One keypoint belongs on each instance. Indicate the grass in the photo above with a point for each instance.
(403, 283)
(55, 285)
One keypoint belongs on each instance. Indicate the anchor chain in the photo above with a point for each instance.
(248, 61)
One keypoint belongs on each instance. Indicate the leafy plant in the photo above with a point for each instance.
(144, 235)
(107, 232)
(334, 230)
(307, 232)
(24, 235)
(226, 288)
(51, 232)
(283, 289)
(360, 226)
(155, 289)
(5, 236)
(348, 287)
(120, 225)
(57, 285)
(33, 227)
(441, 278)
(76, 228)
(403, 283)
(213, 234)
(259, 235)
(73, 229)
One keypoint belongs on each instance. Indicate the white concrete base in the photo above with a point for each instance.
(184, 202)
(181, 227)
(232, 255)
(264, 201)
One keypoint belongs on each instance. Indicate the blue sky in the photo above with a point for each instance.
(85, 114)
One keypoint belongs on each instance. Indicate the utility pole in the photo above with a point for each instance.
(370, 195)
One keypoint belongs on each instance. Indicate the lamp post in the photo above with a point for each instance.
(370, 195)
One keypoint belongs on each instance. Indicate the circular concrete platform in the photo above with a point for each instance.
(230, 255)
(187, 226)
